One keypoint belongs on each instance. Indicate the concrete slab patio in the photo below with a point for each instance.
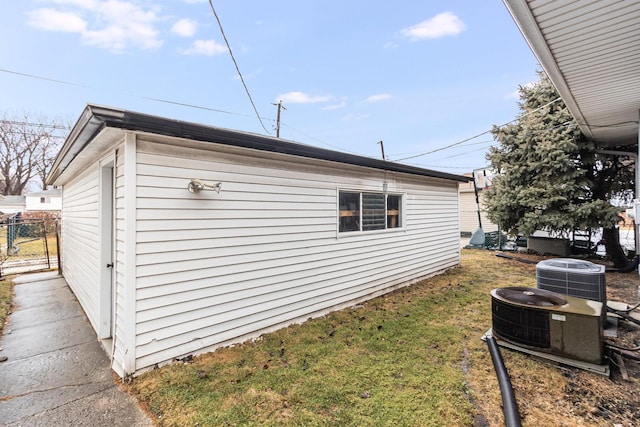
(57, 373)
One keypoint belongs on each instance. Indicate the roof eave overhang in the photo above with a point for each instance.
(95, 119)
(92, 120)
(524, 19)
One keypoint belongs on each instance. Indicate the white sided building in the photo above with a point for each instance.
(45, 200)
(469, 207)
(179, 238)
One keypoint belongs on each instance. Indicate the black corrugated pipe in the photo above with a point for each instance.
(509, 405)
(624, 315)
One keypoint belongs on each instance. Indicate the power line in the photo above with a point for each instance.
(322, 142)
(43, 125)
(161, 100)
(563, 125)
(32, 134)
(486, 141)
(33, 76)
(464, 168)
(445, 147)
(480, 134)
(236, 65)
(148, 98)
(45, 78)
(462, 154)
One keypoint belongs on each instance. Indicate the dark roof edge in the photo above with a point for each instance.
(100, 117)
(89, 124)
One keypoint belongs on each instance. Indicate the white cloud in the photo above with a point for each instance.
(352, 117)
(516, 93)
(302, 98)
(185, 28)
(205, 47)
(378, 97)
(86, 4)
(116, 25)
(441, 25)
(513, 95)
(53, 20)
(249, 75)
(338, 106)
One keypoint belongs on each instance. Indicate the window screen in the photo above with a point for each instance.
(369, 211)
(373, 212)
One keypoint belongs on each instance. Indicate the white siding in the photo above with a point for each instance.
(216, 268)
(50, 203)
(120, 328)
(80, 242)
(469, 212)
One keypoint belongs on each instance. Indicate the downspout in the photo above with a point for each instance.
(475, 189)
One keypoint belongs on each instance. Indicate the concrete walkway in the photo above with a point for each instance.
(57, 373)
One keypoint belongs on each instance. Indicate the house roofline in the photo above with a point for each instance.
(525, 21)
(95, 118)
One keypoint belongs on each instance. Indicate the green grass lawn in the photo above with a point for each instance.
(411, 358)
(29, 247)
(5, 300)
(398, 360)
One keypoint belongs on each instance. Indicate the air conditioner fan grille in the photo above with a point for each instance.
(520, 325)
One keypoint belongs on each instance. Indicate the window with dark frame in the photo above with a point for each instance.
(367, 211)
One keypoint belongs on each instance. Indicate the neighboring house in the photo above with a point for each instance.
(12, 204)
(46, 200)
(179, 238)
(469, 221)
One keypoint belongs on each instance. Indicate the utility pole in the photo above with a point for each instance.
(382, 148)
(280, 106)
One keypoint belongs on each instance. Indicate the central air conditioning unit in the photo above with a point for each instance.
(548, 323)
(573, 277)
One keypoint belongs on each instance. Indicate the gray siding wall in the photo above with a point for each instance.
(80, 242)
(219, 268)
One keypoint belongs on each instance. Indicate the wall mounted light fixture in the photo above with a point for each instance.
(197, 185)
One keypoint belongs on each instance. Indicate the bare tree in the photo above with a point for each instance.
(27, 150)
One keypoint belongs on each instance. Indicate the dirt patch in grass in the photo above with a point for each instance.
(413, 357)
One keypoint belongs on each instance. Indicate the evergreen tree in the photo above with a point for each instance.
(550, 177)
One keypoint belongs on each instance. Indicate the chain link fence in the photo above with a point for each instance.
(28, 245)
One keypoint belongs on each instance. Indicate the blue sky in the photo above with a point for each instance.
(418, 75)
